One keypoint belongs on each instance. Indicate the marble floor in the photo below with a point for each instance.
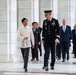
(35, 68)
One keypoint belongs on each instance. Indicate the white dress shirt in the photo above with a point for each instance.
(64, 28)
(24, 32)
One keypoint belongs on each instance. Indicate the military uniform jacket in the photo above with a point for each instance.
(50, 30)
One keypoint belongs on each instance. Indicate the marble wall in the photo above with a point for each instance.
(11, 13)
(63, 10)
(72, 13)
(8, 30)
(3, 31)
(24, 10)
(12, 30)
(44, 5)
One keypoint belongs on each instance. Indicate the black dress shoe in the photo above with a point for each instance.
(52, 68)
(74, 57)
(23, 67)
(63, 61)
(25, 70)
(37, 59)
(32, 59)
(58, 59)
(45, 68)
(40, 54)
(67, 59)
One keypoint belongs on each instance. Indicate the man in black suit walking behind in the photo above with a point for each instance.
(37, 41)
(65, 39)
(74, 40)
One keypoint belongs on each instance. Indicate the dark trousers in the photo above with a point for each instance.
(47, 49)
(25, 55)
(65, 50)
(74, 48)
(40, 49)
(34, 52)
(58, 51)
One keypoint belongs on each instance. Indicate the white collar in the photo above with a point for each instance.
(64, 25)
(26, 26)
(50, 19)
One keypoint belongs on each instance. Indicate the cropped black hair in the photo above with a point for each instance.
(34, 23)
(24, 19)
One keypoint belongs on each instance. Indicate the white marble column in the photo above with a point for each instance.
(12, 30)
(24, 10)
(55, 8)
(72, 12)
(28, 9)
(36, 10)
(8, 30)
(63, 11)
(3, 31)
(44, 5)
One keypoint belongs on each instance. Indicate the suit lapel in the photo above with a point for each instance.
(62, 29)
(66, 29)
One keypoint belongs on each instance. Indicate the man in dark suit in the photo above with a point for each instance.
(37, 41)
(65, 39)
(50, 36)
(74, 40)
(39, 46)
